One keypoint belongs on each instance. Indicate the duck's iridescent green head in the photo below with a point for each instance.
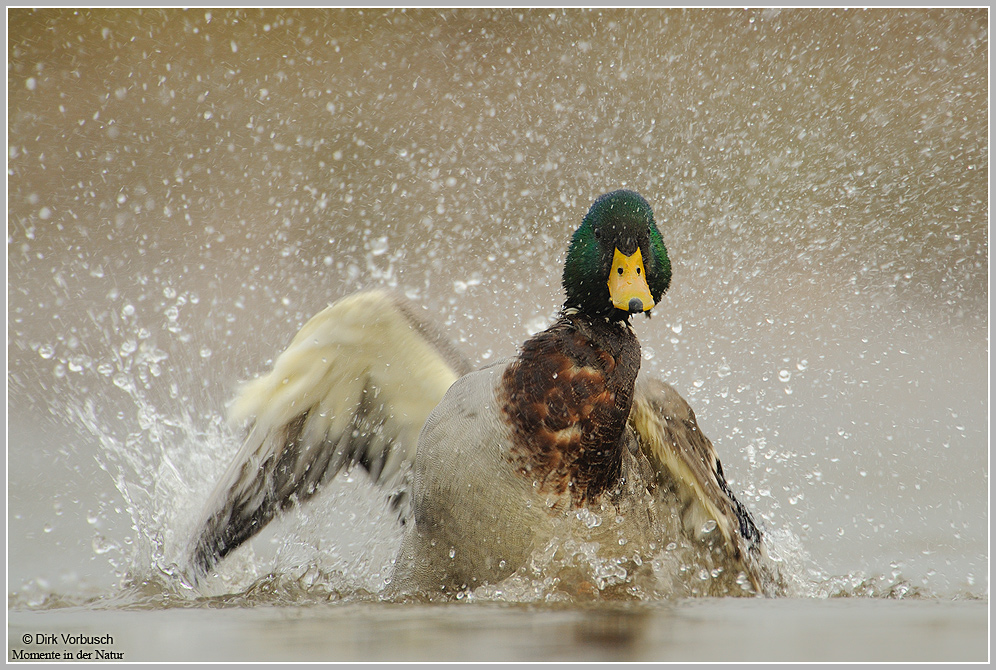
(617, 263)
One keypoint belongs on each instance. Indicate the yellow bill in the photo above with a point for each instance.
(628, 283)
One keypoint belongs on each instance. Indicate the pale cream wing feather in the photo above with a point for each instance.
(355, 385)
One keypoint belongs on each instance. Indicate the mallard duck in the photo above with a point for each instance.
(560, 449)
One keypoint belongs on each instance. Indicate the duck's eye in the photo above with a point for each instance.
(620, 270)
(598, 233)
(637, 270)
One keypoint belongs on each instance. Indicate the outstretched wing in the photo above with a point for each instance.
(355, 386)
(688, 468)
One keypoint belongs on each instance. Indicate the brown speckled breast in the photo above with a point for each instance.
(567, 397)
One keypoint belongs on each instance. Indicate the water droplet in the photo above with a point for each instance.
(379, 246)
(784, 375)
(146, 418)
(536, 325)
(589, 518)
(101, 545)
(46, 351)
